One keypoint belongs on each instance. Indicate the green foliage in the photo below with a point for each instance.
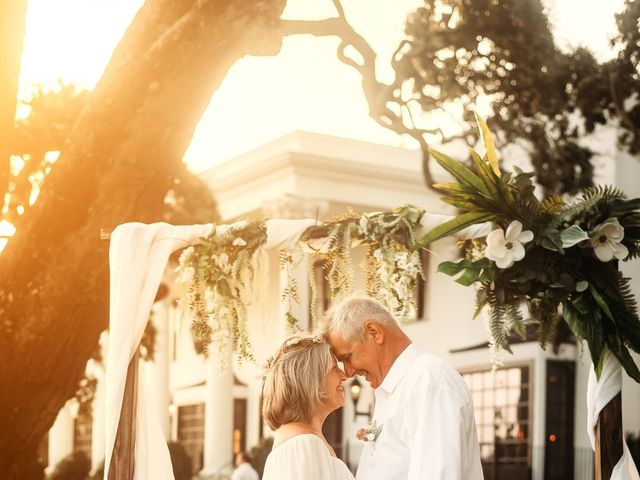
(460, 51)
(391, 264)
(219, 273)
(561, 266)
(289, 259)
(35, 142)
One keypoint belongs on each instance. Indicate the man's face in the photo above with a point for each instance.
(359, 358)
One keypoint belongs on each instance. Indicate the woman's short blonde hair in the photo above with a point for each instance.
(295, 380)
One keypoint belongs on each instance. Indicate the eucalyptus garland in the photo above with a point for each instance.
(391, 264)
(559, 259)
(218, 273)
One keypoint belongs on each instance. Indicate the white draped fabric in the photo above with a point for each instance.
(599, 394)
(138, 256)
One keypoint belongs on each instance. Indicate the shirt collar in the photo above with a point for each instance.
(399, 368)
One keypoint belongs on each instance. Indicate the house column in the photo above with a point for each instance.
(95, 369)
(159, 367)
(61, 435)
(218, 415)
(98, 418)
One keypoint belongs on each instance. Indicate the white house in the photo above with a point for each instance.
(531, 414)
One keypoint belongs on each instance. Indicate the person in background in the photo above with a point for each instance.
(244, 470)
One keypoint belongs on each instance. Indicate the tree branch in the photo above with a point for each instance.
(379, 95)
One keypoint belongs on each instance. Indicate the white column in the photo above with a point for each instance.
(96, 369)
(253, 413)
(98, 419)
(218, 415)
(538, 414)
(159, 368)
(61, 435)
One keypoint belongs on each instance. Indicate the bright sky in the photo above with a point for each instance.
(305, 87)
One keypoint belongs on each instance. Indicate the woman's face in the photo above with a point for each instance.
(334, 392)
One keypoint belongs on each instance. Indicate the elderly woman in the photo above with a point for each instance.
(303, 385)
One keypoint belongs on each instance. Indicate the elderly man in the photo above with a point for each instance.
(423, 411)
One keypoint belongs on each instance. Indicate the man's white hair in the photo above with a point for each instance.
(348, 316)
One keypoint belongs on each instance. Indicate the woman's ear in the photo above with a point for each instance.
(374, 331)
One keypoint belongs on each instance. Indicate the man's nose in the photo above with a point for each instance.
(348, 370)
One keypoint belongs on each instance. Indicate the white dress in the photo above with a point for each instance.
(304, 457)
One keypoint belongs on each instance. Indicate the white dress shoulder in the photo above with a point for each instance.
(305, 457)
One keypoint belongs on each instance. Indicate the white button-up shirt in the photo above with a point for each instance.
(428, 428)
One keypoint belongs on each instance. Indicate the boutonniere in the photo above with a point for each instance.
(369, 434)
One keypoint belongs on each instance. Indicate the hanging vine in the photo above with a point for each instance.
(219, 273)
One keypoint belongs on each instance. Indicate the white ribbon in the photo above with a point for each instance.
(599, 394)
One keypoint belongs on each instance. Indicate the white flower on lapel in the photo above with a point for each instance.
(606, 240)
(506, 248)
(369, 434)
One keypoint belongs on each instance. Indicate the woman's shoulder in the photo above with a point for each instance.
(298, 441)
(300, 456)
(304, 456)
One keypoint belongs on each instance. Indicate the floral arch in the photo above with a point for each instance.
(550, 255)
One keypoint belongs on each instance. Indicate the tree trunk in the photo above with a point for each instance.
(120, 161)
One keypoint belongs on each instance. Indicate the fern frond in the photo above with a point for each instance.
(553, 204)
(627, 294)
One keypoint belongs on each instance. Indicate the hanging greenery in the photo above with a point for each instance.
(391, 264)
(559, 259)
(290, 259)
(219, 272)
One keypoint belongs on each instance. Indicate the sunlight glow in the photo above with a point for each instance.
(305, 87)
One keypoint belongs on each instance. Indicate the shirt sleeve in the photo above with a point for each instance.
(438, 435)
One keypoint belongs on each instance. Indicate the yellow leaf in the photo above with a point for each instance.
(487, 141)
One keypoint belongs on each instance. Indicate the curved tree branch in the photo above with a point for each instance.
(380, 96)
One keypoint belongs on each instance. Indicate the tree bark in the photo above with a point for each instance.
(118, 164)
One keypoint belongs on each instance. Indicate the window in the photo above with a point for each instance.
(191, 433)
(501, 403)
(82, 432)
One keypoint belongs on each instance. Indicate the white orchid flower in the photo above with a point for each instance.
(606, 240)
(506, 248)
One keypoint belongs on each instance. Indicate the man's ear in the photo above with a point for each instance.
(373, 330)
